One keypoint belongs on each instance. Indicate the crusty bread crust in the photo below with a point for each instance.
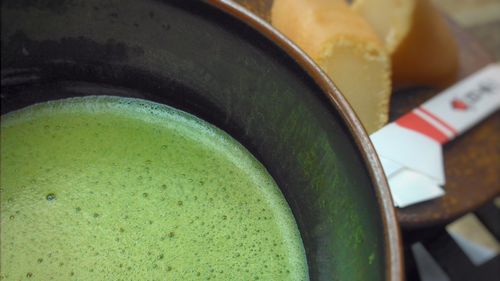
(346, 47)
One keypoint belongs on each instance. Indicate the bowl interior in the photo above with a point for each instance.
(201, 60)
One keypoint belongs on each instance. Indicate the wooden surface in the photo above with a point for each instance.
(471, 161)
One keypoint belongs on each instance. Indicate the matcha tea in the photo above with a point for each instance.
(107, 188)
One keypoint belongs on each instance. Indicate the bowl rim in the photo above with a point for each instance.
(392, 236)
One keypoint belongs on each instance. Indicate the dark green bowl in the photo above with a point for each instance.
(223, 64)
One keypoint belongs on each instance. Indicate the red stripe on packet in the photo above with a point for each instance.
(416, 123)
(439, 120)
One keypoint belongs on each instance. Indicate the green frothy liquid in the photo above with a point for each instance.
(107, 188)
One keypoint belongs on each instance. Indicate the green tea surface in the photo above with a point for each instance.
(108, 188)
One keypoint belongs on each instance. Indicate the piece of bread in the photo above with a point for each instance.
(422, 47)
(345, 47)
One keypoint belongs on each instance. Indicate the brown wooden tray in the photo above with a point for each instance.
(471, 161)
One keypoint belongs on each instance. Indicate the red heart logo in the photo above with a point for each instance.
(458, 104)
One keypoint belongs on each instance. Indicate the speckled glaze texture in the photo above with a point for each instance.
(228, 67)
(471, 161)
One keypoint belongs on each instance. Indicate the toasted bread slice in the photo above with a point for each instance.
(346, 47)
(422, 47)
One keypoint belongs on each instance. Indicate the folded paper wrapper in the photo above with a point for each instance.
(410, 149)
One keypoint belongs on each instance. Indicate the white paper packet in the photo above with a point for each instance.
(410, 148)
